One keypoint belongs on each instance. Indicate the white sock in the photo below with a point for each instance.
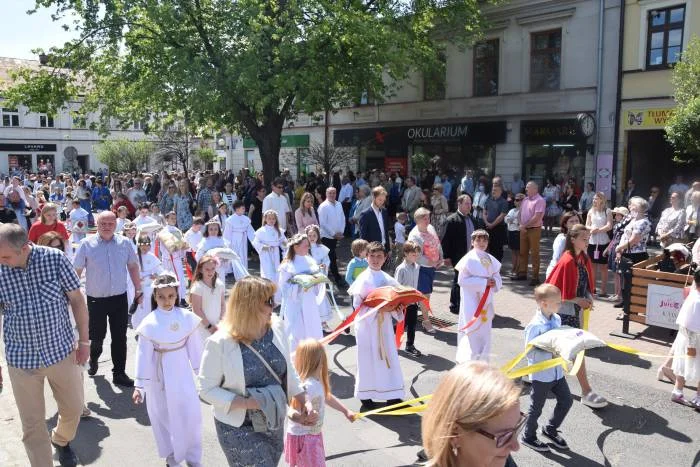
(676, 392)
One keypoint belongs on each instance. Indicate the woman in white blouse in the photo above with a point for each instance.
(568, 220)
(599, 222)
(672, 223)
(692, 213)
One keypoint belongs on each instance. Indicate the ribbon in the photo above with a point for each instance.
(402, 408)
(479, 307)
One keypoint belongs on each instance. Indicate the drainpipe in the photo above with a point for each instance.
(618, 97)
(599, 100)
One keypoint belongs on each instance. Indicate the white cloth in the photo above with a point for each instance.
(596, 220)
(399, 233)
(558, 248)
(299, 309)
(512, 220)
(173, 261)
(144, 220)
(684, 365)
(193, 238)
(270, 243)
(689, 315)
(331, 219)
(237, 233)
(148, 266)
(378, 376)
(319, 252)
(280, 204)
(209, 243)
(474, 269)
(211, 303)
(317, 395)
(169, 351)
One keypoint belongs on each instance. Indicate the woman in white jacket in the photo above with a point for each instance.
(247, 356)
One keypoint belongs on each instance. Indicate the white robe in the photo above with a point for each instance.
(299, 310)
(209, 243)
(474, 269)
(167, 380)
(173, 261)
(151, 265)
(130, 289)
(378, 377)
(269, 243)
(319, 252)
(237, 233)
(144, 220)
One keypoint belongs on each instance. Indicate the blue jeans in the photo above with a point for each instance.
(538, 397)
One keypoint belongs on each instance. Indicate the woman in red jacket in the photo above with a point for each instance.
(48, 222)
(122, 200)
(573, 274)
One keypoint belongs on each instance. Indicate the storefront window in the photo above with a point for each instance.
(478, 157)
(558, 161)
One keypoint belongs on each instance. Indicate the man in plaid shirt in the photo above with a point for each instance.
(36, 285)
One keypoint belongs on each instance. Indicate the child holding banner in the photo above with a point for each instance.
(686, 365)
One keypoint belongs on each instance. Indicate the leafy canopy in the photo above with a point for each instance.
(122, 155)
(243, 65)
(683, 128)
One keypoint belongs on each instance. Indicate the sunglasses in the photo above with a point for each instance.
(504, 438)
(270, 302)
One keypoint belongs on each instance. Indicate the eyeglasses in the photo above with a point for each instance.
(506, 437)
(270, 302)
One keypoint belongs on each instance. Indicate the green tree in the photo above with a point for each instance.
(122, 155)
(683, 128)
(245, 65)
(326, 158)
(207, 156)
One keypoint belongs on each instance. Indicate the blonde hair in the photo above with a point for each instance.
(303, 198)
(272, 212)
(467, 397)
(600, 195)
(297, 239)
(243, 319)
(48, 207)
(310, 358)
(421, 213)
(545, 291)
(358, 246)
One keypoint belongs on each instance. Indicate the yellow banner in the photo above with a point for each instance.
(646, 119)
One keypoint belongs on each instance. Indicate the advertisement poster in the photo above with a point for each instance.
(603, 179)
(663, 305)
(396, 164)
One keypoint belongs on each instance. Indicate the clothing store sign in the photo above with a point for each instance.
(663, 305)
(28, 147)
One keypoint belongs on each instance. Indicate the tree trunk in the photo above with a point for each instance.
(268, 138)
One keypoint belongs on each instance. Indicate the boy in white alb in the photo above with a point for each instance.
(78, 222)
(238, 230)
(378, 370)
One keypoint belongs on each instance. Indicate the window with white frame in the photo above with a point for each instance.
(46, 121)
(664, 36)
(10, 117)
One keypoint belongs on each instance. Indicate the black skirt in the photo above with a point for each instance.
(597, 258)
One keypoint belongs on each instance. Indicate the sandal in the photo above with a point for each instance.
(665, 372)
(593, 400)
(680, 399)
(429, 329)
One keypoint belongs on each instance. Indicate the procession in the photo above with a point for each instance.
(265, 233)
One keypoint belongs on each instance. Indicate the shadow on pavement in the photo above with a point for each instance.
(91, 432)
(608, 355)
(507, 322)
(118, 403)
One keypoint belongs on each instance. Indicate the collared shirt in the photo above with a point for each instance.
(331, 219)
(469, 231)
(280, 204)
(105, 263)
(495, 207)
(345, 193)
(204, 198)
(37, 329)
(407, 274)
(530, 206)
(380, 220)
(537, 326)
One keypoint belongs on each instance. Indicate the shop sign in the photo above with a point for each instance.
(403, 136)
(396, 164)
(550, 131)
(28, 147)
(663, 305)
(644, 119)
(288, 141)
(437, 133)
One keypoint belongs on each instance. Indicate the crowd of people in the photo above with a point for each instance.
(81, 255)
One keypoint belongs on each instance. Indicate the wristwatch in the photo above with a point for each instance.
(209, 326)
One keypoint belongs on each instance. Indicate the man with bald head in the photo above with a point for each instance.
(106, 258)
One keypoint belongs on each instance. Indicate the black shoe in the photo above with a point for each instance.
(413, 351)
(92, 371)
(555, 440)
(367, 405)
(422, 456)
(66, 456)
(534, 282)
(121, 379)
(184, 304)
(518, 278)
(535, 444)
(618, 305)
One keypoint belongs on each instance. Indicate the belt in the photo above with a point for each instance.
(106, 298)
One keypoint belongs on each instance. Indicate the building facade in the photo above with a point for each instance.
(510, 105)
(655, 34)
(61, 142)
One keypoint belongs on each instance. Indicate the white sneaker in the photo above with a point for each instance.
(594, 401)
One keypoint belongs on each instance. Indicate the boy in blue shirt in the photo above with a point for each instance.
(548, 298)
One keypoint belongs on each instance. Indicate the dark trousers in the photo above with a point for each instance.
(498, 236)
(115, 309)
(455, 295)
(538, 396)
(411, 321)
(348, 226)
(331, 244)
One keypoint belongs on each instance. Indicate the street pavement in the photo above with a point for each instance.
(640, 427)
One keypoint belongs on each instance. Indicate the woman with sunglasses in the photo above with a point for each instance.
(244, 362)
(473, 419)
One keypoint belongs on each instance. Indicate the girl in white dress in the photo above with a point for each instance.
(173, 260)
(476, 270)
(319, 252)
(207, 295)
(129, 231)
(299, 309)
(379, 373)
(168, 354)
(686, 365)
(150, 268)
(270, 242)
(213, 238)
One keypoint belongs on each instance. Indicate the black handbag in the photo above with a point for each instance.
(135, 304)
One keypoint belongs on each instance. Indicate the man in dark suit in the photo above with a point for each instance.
(374, 222)
(629, 192)
(457, 240)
